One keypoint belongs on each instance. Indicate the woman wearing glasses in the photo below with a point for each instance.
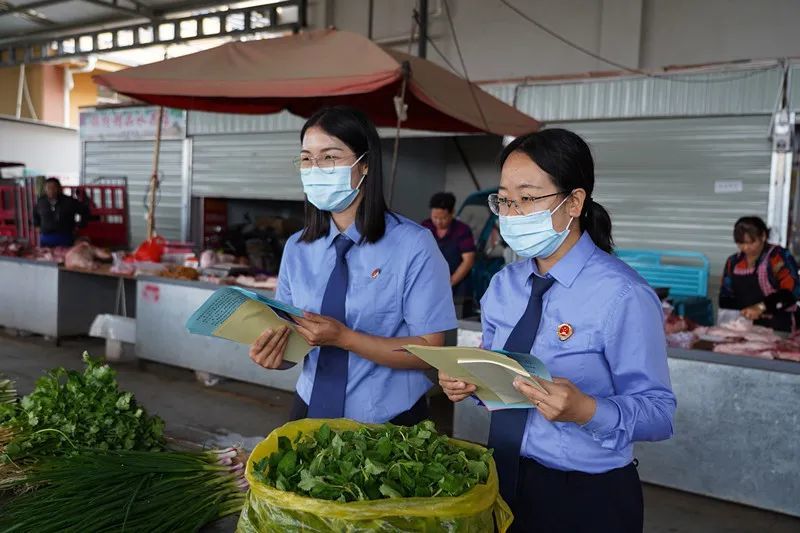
(369, 280)
(567, 465)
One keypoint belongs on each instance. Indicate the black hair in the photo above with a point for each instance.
(53, 180)
(443, 200)
(354, 129)
(567, 159)
(753, 227)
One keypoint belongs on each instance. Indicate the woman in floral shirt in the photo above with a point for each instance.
(761, 280)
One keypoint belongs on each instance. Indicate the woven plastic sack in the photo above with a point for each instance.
(268, 509)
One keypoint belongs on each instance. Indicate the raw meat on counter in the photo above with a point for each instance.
(762, 350)
(258, 282)
(85, 256)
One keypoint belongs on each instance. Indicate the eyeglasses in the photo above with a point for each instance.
(327, 163)
(526, 205)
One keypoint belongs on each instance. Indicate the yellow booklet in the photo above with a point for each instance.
(492, 372)
(241, 316)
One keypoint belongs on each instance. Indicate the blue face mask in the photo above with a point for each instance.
(533, 235)
(330, 191)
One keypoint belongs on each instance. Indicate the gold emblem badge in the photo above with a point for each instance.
(376, 273)
(565, 331)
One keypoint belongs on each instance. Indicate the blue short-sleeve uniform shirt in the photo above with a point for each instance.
(398, 287)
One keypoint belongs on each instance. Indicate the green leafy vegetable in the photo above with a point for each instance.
(373, 463)
(69, 410)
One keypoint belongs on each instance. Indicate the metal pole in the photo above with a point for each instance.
(20, 88)
(370, 11)
(151, 201)
(423, 29)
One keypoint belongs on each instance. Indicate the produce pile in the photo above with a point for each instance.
(69, 410)
(79, 454)
(373, 463)
(127, 491)
(8, 394)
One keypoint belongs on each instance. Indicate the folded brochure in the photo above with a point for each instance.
(492, 372)
(240, 315)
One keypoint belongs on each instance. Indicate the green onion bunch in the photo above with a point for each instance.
(125, 490)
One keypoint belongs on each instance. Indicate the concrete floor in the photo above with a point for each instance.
(233, 412)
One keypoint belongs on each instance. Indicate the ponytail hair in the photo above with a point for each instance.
(567, 159)
(596, 221)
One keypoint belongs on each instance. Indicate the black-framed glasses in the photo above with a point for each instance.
(526, 205)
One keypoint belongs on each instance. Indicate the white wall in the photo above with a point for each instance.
(498, 44)
(45, 150)
(678, 32)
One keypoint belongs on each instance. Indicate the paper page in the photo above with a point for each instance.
(496, 377)
(231, 314)
(494, 405)
(274, 304)
(216, 310)
(450, 360)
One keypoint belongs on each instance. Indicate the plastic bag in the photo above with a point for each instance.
(269, 509)
(150, 250)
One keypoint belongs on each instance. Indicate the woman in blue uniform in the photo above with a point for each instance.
(567, 465)
(369, 280)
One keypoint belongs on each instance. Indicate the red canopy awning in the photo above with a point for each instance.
(301, 73)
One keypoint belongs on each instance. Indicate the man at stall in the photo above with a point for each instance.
(457, 245)
(761, 280)
(55, 216)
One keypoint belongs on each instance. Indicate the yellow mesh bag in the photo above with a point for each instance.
(268, 509)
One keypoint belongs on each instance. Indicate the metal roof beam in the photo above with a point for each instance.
(27, 7)
(139, 9)
(230, 23)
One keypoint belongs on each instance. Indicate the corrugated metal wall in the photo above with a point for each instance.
(656, 177)
(134, 159)
(203, 123)
(794, 87)
(733, 92)
(250, 166)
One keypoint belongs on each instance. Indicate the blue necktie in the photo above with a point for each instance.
(330, 380)
(508, 426)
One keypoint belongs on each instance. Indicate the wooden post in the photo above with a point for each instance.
(151, 200)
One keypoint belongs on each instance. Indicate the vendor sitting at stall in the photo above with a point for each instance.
(55, 215)
(761, 280)
(456, 243)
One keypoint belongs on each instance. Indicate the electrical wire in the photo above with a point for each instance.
(666, 77)
(464, 65)
(438, 50)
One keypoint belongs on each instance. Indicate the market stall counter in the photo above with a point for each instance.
(164, 305)
(737, 428)
(47, 299)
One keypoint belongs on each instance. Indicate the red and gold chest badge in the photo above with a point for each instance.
(376, 273)
(565, 331)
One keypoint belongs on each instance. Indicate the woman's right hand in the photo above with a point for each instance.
(268, 349)
(456, 390)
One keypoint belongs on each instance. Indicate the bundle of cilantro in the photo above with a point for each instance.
(373, 463)
(69, 410)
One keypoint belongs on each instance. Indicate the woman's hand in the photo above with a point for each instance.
(562, 401)
(268, 349)
(753, 312)
(319, 330)
(455, 390)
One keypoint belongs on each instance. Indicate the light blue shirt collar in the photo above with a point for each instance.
(569, 266)
(351, 233)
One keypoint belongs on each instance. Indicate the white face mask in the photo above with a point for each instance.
(533, 235)
(330, 191)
